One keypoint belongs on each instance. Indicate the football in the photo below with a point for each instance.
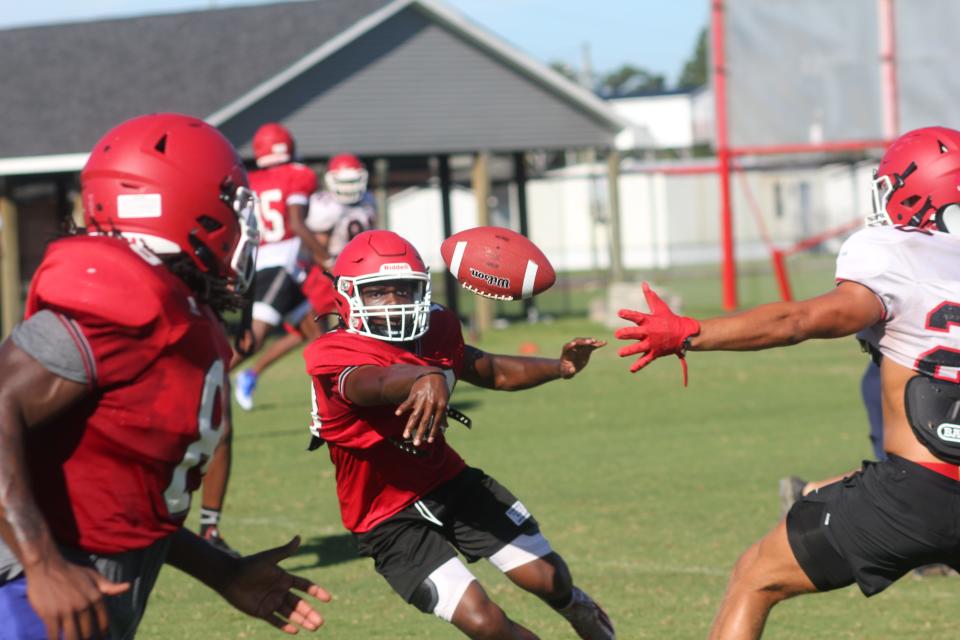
(497, 263)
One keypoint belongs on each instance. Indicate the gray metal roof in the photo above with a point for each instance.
(242, 65)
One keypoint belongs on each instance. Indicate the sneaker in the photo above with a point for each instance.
(212, 535)
(791, 490)
(587, 618)
(243, 387)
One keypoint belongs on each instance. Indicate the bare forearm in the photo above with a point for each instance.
(387, 385)
(199, 559)
(771, 325)
(22, 525)
(513, 373)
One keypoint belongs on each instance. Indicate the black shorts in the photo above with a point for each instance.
(275, 294)
(472, 514)
(876, 525)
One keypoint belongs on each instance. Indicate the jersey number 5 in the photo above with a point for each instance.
(186, 475)
(932, 362)
(269, 217)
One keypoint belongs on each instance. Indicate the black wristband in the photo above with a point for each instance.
(685, 346)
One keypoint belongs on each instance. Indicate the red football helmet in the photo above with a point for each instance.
(381, 256)
(174, 184)
(917, 182)
(346, 178)
(272, 144)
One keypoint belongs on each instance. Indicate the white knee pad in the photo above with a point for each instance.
(520, 551)
(265, 313)
(450, 580)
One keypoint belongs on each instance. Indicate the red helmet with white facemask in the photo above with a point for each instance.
(380, 257)
(917, 182)
(272, 145)
(346, 178)
(174, 184)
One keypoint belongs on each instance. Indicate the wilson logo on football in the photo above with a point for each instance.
(492, 280)
(949, 432)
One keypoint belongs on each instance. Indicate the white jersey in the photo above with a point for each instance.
(342, 221)
(916, 275)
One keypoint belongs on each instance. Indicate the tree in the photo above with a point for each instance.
(629, 79)
(565, 70)
(694, 72)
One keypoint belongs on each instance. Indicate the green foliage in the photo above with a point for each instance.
(695, 72)
(649, 490)
(629, 79)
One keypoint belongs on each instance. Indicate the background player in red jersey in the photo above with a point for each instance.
(381, 384)
(283, 188)
(336, 216)
(115, 393)
(898, 287)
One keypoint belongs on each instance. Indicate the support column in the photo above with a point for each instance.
(381, 173)
(613, 200)
(451, 287)
(520, 176)
(480, 179)
(9, 268)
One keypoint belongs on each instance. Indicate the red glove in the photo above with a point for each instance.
(658, 333)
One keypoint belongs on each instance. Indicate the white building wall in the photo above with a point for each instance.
(666, 220)
(668, 119)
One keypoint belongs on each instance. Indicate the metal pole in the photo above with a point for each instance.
(613, 198)
(450, 282)
(723, 155)
(888, 63)
(9, 268)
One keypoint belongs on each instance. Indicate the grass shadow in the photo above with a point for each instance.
(326, 551)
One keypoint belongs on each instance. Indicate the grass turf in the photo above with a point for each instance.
(649, 490)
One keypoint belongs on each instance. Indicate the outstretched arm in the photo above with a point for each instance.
(845, 310)
(68, 598)
(512, 373)
(255, 584)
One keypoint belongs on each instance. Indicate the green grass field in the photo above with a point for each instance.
(649, 490)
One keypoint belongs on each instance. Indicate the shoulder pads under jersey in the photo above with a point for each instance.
(105, 280)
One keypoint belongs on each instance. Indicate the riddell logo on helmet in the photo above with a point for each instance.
(278, 147)
(490, 279)
(949, 432)
(395, 266)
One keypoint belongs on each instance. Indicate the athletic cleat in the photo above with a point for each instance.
(587, 618)
(212, 535)
(243, 387)
(791, 490)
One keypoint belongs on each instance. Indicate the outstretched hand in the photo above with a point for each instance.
(262, 589)
(576, 355)
(427, 405)
(658, 333)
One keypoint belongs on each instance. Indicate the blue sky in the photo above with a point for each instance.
(656, 35)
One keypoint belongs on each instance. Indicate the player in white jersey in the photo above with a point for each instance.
(899, 285)
(334, 217)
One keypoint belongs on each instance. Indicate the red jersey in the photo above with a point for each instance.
(375, 478)
(115, 472)
(277, 187)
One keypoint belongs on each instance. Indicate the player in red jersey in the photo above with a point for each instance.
(898, 289)
(119, 390)
(283, 188)
(381, 383)
(336, 215)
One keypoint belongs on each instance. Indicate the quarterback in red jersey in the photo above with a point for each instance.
(96, 463)
(381, 383)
